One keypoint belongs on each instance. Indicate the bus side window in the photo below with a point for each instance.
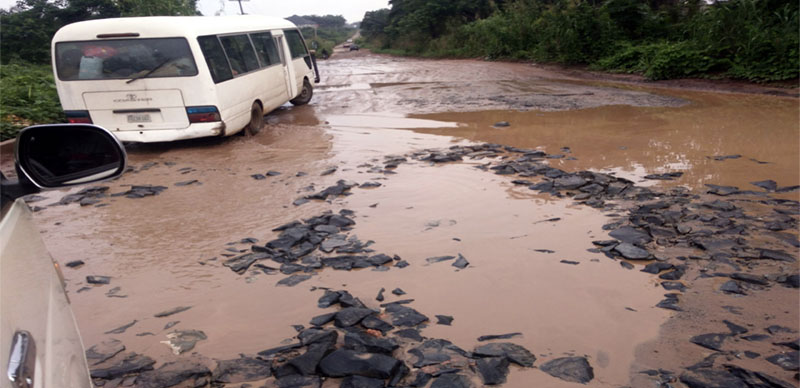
(296, 46)
(240, 53)
(215, 58)
(265, 48)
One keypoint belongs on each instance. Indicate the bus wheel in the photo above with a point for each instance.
(305, 95)
(256, 120)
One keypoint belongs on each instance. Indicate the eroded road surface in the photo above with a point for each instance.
(611, 230)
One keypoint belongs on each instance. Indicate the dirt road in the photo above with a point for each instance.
(533, 267)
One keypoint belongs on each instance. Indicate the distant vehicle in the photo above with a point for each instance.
(152, 79)
(41, 344)
(349, 41)
(354, 47)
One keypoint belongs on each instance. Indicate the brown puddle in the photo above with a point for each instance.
(151, 247)
(636, 141)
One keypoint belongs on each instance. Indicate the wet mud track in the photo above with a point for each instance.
(193, 225)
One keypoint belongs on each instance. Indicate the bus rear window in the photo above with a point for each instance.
(124, 59)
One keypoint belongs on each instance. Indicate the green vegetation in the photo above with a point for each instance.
(331, 31)
(755, 40)
(28, 97)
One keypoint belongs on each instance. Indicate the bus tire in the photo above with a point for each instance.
(305, 95)
(256, 120)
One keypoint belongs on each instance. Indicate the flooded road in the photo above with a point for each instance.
(168, 250)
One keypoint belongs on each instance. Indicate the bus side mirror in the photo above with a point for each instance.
(61, 155)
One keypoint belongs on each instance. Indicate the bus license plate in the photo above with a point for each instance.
(139, 118)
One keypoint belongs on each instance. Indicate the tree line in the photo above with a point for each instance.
(757, 40)
(28, 27)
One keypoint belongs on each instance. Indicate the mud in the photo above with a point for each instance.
(167, 250)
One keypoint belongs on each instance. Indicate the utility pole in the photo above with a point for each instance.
(241, 10)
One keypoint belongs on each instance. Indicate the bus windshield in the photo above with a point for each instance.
(124, 59)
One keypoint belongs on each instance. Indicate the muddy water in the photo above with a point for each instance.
(165, 251)
(636, 141)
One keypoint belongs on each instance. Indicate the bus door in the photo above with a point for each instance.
(288, 71)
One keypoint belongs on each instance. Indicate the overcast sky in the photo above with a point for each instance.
(352, 10)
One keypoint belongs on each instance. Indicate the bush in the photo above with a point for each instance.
(28, 97)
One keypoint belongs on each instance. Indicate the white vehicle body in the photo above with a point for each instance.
(152, 79)
(33, 300)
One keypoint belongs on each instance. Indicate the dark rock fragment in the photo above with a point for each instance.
(631, 252)
(351, 315)
(344, 362)
(122, 328)
(671, 286)
(657, 267)
(493, 370)
(755, 379)
(437, 259)
(307, 363)
(732, 287)
(452, 380)
(398, 292)
(363, 342)
(411, 334)
(293, 280)
(104, 351)
(380, 298)
(372, 322)
(626, 265)
(748, 278)
(775, 329)
(74, 264)
(768, 185)
(240, 370)
(570, 262)
(172, 373)
(665, 176)
(501, 124)
(631, 235)
(298, 381)
(328, 299)
(670, 302)
(401, 264)
(461, 262)
(497, 336)
(788, 361)
(734, 328)
(778, 255)
(444, 320)
(710, 378)
(258, 177)
(792, 281)
(574, 369)
(404, 316)
(756, 337)
(132, 363)
(711, 341)
(722, 190)
(96, 279)
(724, 157)
(172, 311)
(270, 353)
(240, 264)
(515, 353)
(361, 382)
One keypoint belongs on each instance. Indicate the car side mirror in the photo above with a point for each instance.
(61, 155)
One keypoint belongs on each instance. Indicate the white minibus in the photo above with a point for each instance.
(165, 78)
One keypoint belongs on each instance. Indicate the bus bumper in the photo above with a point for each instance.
(193, 131)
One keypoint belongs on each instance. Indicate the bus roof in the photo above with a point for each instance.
(169, 26)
